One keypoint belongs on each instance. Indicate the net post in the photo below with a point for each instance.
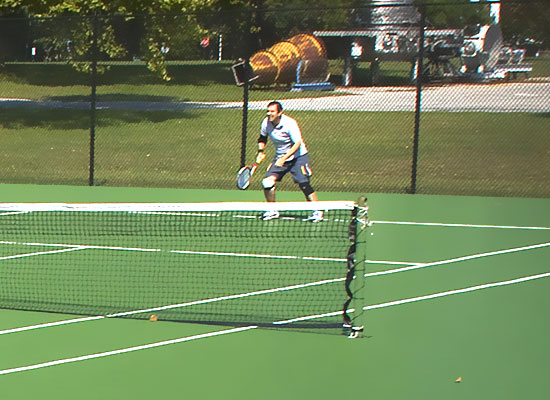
(354, 282)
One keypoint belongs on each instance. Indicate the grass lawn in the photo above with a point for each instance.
(191, 81)
(201, 149)
(541, 65)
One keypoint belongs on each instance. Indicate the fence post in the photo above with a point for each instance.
(419, 74)
(93, 101)
(244, 120)
(246, 87)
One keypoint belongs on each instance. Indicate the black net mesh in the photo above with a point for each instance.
(218, 264)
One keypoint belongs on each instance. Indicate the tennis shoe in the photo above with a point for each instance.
(270, 215)
(316, 216)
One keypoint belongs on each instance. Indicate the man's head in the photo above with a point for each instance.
(274, 112)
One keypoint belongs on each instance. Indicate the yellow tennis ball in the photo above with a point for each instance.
(153, 318)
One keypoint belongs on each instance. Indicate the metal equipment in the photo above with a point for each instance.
(390, 31)
(301, 59)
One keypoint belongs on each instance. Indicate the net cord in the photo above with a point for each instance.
(178, 207)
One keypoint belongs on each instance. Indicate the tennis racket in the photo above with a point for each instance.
(244, 175)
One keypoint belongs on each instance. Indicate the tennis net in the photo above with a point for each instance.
(216, 263)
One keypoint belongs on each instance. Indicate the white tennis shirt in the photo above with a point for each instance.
(284, 136)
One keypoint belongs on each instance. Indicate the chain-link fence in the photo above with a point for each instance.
(177, 100)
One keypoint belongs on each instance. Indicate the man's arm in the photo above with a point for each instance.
(281, 160)
(262, 140)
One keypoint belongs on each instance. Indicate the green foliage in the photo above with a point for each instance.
(526, 20)
(53, 36)
(78, 49)
(455, 13)
(178, 25)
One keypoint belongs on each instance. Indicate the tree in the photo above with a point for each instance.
(521, 21)
(73, 37)
(455, 14)
(260, 23)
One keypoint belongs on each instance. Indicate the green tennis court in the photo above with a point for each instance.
(455, 287)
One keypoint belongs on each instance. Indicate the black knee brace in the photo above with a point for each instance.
(306, 188)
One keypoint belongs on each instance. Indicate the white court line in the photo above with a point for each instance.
(392, 262)
(12, 213)
(255, 255)
(229, 297)
(51, 324)
(153, 309)
(310, 317)
(41, 253)
(158, 344)
(125, 350)
(207, 253)
(172, 306)
(404, 301)
(462, 225)
(193, 252)
(246, 328)
(458, 259)
(87, 246)
(81, 246)
(215, 253)
(457, 291)
(40, 244)
(267, 291)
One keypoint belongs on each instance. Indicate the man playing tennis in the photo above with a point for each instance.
(290, 156)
